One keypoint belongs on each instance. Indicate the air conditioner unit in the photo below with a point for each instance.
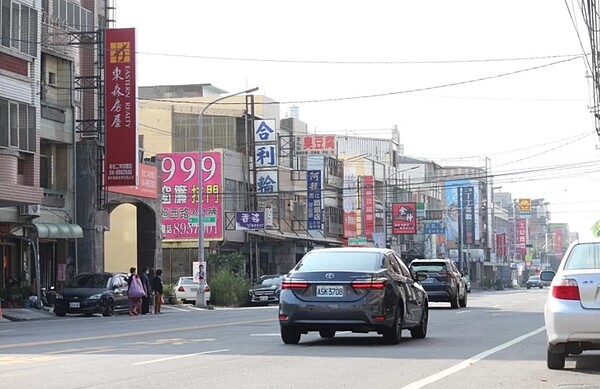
(29, 210)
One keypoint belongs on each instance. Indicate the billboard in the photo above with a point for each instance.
(454, 207)
(316, 145)
(180, 195)
(404, 218)
(368, 205)
(147, 184)
(120, 111)
(522, 237)
(250, 220)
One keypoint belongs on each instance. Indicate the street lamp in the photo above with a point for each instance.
(200, 296)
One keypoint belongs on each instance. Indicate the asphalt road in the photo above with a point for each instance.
(498, 341)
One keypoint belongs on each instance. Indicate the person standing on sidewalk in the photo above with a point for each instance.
(157, 286)
(148, 288)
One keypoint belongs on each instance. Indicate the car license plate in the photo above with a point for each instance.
(330, 291)
(194, 290)
(264, 298)
(74, 305)
(428, 281)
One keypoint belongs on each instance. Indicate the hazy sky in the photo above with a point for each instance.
(456, 77)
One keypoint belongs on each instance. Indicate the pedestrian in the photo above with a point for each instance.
(157, 287)
(147, 288)
(135, 292)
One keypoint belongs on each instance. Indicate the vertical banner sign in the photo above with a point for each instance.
(368, 208)
(120, 108)
(180, 195)
(349, 202)
(313, 192)
(558, 243)
(404, 218)
(468, 214)
(501, 245)
(521, 237)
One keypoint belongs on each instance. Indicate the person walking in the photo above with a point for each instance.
(157, 287)
(148, 288)
(135, 292)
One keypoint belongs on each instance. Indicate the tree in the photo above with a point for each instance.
(596, 229)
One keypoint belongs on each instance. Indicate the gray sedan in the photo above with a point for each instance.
(352, 289)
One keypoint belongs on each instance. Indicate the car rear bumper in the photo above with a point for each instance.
(568, 321)
(340, 316)
(440, 294)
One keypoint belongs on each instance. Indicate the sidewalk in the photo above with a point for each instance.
(25, 314)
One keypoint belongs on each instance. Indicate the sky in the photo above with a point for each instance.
(464, 81)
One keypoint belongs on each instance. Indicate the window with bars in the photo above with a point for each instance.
(17, 126)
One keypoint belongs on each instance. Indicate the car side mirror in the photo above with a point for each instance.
(420, 276)
(547, 275)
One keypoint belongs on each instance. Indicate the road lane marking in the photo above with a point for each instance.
(180, 356)
(471, 361)
(131, 334)
(179, 309)
(273, 334)
(459, 312)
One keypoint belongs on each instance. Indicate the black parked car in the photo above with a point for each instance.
(266, 290)
(90, 293)
(534, 282)
(444, 282)
(352, 289)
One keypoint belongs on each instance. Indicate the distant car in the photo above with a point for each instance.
(91, 293)
(534, 282)
(186, 290)
(572, 308)
(444, 282)
(266, 290)
(352, 289)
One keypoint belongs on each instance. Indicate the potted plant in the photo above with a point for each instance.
(169, 293)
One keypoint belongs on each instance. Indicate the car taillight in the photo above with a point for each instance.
(446, 274)
(565, 289)
(378, 284)
(207, 288)
(294, 284)
(181, 289)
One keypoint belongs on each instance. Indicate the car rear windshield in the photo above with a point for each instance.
(434, 267)
(584, 256)
(187, 281)
(90, 281)
(340, 260)
(271, 281)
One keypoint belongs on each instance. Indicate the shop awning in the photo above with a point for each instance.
(58, 231)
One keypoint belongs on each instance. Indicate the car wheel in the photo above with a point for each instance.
(541, 286)
(327, 334)
(555, 361)
(528, 286)
(393, 335)
(463, 301)
(290, 335)
(454, 302)
(420, 331)
(108, 307)
(60, 310)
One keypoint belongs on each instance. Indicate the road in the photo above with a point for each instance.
(498, 341)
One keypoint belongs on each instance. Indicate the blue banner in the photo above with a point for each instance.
(314, 211)
(250, 220)
(434, 228)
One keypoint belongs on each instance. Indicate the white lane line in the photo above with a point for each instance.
(7, 331)
(273, 334)
(179, 309)
(180, 356)
(459, 312)
(464, 364)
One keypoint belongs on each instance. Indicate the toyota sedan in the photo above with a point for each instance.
(572, 308)
(352, 289)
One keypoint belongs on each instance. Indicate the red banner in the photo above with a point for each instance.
(558, 243)
(501, 245)
(350, 224)
(147, 186)
(522, 237)
(120, 108)
(404, 218)
(368, 206)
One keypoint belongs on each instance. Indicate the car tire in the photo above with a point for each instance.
(60, 310)
(528, 286)
(108, 307)
(555, 361)
(420, 331)
(541, 286)
(393, 335)
(463, 301)
(290, 335)
(327, 334)
(454, 302)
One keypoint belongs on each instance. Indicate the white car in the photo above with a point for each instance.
(186, 290)
(572, 309)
